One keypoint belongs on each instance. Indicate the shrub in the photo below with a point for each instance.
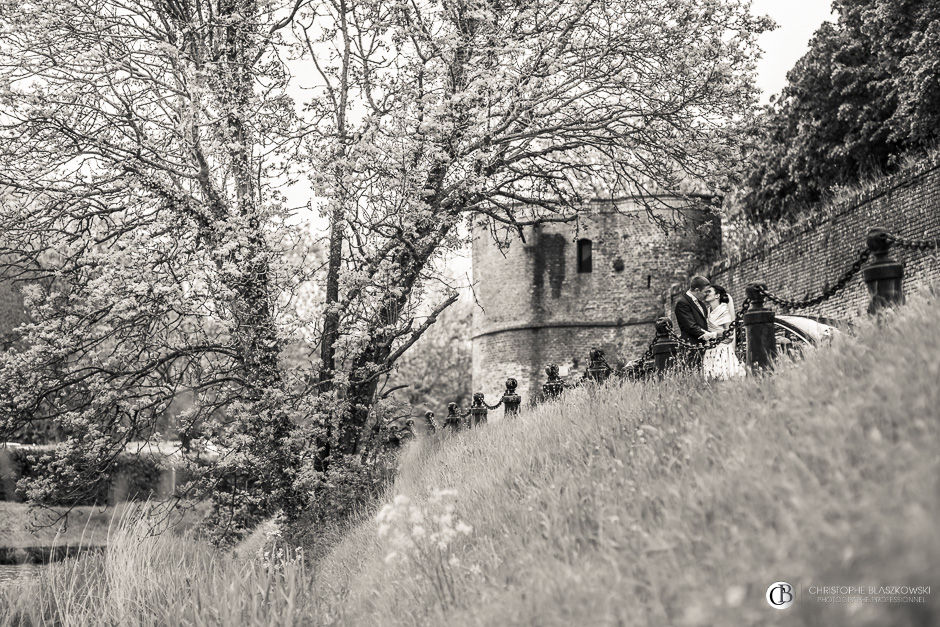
(132, 477)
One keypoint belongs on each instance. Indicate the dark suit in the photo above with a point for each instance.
(692, 326)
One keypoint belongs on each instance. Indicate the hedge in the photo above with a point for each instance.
(131, 477)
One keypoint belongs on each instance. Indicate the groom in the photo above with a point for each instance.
(692, 317)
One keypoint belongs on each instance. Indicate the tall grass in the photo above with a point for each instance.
(163, 579)
(672, 503)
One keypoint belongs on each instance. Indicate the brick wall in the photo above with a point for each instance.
(537, 308)
(807, 261)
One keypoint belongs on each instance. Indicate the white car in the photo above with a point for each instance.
(794, 333)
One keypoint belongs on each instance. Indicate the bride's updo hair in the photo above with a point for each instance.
(722, 293)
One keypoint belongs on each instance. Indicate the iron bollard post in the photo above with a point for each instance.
(452, 421)
(511, 400)
(759, 330)
(664, 347)
(429, 422)
(884, 276)
(477, 410)
(634, 371)
(408, 431)
(554, 386)
(598, 370)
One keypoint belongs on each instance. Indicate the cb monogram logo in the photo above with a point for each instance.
(780, 595)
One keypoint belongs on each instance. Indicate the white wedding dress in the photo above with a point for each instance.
(720, 362)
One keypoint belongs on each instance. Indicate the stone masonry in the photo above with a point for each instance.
(805, 262)
(537, 308)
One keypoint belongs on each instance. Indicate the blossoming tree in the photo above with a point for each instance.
(433, 115)
(144, 148)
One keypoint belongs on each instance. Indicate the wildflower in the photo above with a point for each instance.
(384, 513)
(734, 596)
(416, 533)
(439, 495)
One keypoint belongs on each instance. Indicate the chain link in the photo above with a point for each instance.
(649, 351)
(496, 406)
(638, 363)
(913, 244)
(843, 280)
(856, 267)
(712, 343)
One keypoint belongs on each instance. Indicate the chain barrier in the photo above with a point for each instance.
(712, 343)
(862, 258)
(843, 280)
(913, 244)
(496, 406)
(632, 366)
(649, 352)
(603, 360)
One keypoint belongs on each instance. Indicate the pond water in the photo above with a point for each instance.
(10, 574)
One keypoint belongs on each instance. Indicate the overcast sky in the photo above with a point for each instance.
(797, 20)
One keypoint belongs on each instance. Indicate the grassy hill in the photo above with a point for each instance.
(674, 503)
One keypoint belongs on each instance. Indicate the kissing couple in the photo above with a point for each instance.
(703, 313)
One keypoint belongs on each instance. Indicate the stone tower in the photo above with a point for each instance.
(600, 282)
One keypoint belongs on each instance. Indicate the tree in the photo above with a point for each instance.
(138, 145)
(144, 146)
(866, 92)
(432, 115)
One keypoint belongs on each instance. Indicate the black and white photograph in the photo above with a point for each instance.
(470, 313)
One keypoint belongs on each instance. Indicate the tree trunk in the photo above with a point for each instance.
(331, 313)
(245, 271)
(335, 261)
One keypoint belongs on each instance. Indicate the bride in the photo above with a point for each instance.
(720, 362)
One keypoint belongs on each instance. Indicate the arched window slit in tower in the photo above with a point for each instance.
(584, 256)
(649, 280)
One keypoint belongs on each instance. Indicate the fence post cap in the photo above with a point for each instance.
(755, 291)
(878, 241)
(663, 325)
